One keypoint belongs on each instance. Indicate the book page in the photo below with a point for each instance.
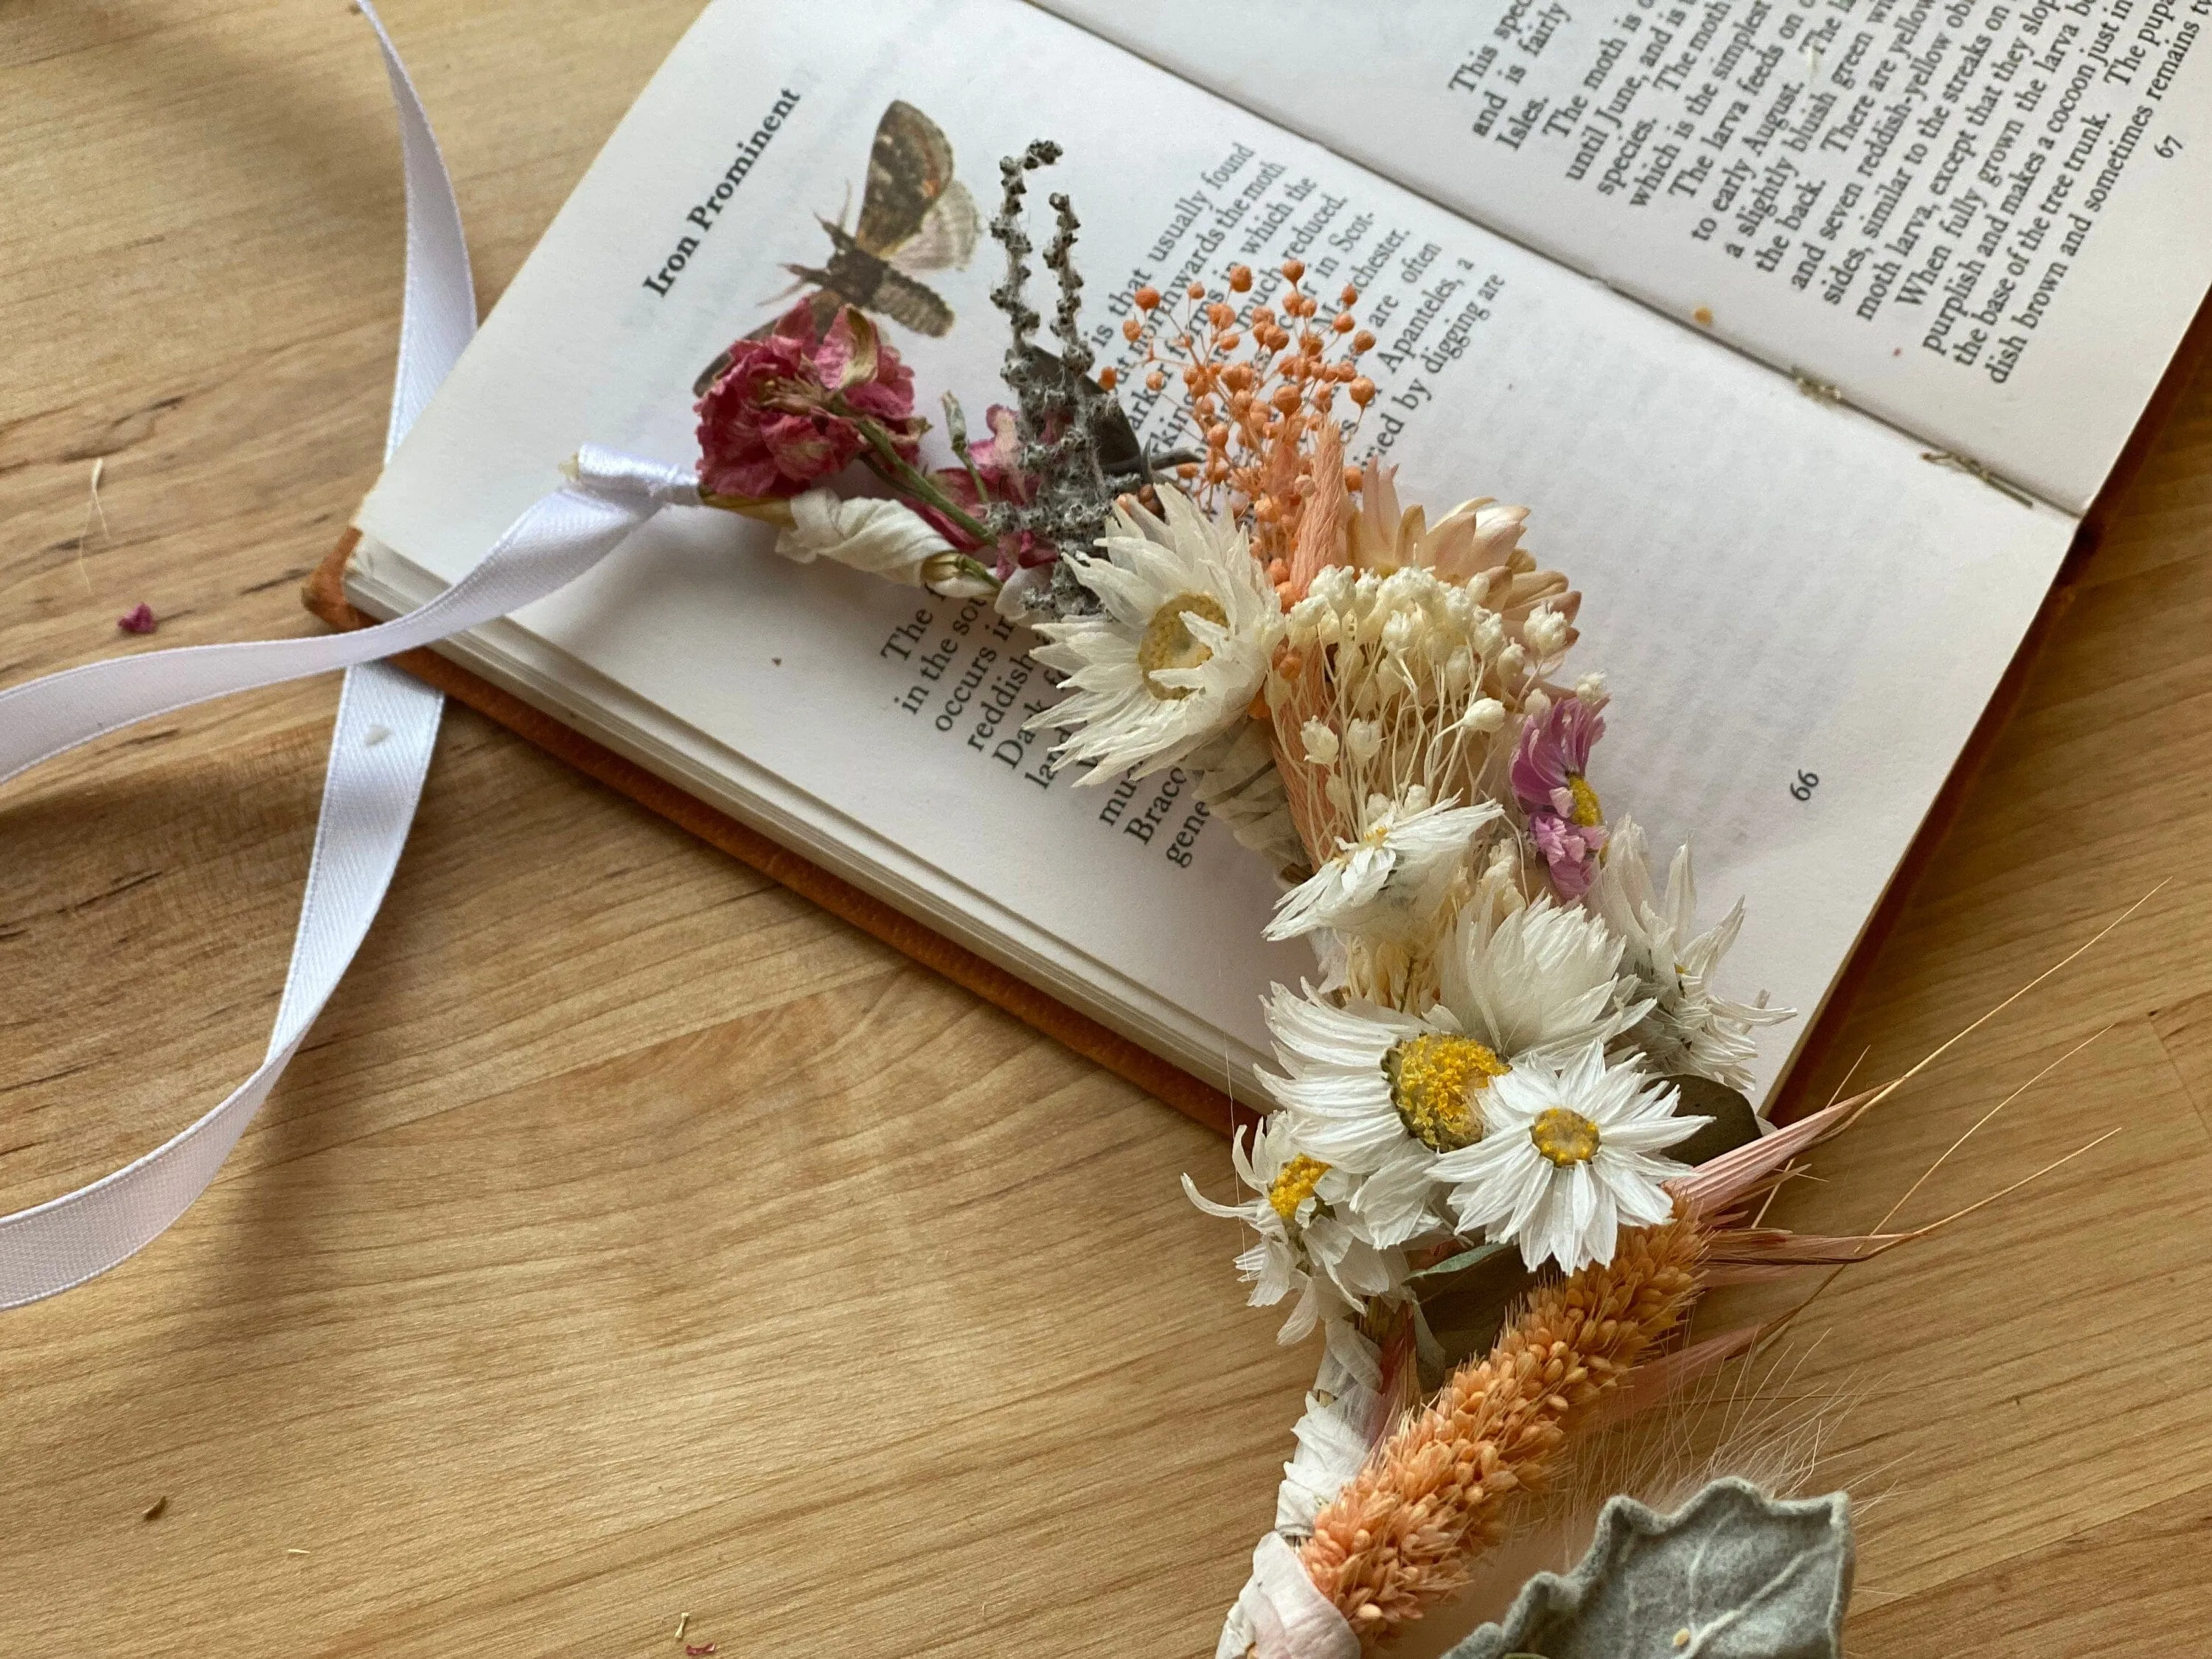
(1799, 619)
(1989, 221)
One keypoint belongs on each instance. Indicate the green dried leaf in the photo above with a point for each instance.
(1733, 1123)
(1454, 1264)
(1465, 1300)
(1733, 1574)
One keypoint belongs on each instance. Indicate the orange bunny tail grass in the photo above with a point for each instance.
(1400, 1536)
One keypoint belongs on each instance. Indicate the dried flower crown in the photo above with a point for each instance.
(1509, 1144)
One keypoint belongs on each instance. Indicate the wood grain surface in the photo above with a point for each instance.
(634, 1241)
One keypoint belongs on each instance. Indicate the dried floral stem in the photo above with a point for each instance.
(1890, 1215)
(1258, 412)
(1874, 1097)
(1058, 412)
(1399, 1537)
(885, 460)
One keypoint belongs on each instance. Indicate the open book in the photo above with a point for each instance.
(1704, 282)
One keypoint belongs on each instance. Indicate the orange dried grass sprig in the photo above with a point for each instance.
(1261, 383)
(1398, 1538)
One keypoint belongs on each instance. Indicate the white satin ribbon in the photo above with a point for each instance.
(387, 725)
(1292, 1620)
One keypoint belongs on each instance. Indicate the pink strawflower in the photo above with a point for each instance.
(789, 410)
(1564, 818)
(139, 619)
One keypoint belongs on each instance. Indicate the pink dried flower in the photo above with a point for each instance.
(790, 409)
(1570, 850)
(139, 619)
(1564, 817)
(1002, 480)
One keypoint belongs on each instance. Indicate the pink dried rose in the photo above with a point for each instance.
(1564, 818)
(138, 619)
(794, 408)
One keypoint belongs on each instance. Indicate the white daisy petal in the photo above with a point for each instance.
(1542, 982)
(1389, 882)
(1310, 1247)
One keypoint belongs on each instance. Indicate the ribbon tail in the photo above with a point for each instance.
(387, 728)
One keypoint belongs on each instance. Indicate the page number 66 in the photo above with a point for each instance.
(1805, 784)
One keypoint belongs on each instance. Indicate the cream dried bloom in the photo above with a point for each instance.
(1691, 1027)
(1390, 882)
(1181, 647)
(1570, 1155)
(1305, 1250)
(1383, 1095)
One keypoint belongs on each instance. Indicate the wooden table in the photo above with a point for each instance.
(632, 1241)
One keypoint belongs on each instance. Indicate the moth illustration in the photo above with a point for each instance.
(915, 217)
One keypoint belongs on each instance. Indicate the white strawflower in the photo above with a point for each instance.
(1569, 1156)
(1340, 1094)
(1182, 647)
(1389, 883)
(1690, 1027)
(1541, 981)
(1306, 1247)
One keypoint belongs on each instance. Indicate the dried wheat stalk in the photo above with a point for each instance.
(1399, 1537)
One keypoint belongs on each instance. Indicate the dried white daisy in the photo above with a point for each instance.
(1383, 1095)
(1540, 981)
(1178, 652)
(1389, 883)
(1306, 1247)
(1378, 1094)
(1569, 1156)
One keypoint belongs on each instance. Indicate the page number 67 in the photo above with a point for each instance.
(1805, 784)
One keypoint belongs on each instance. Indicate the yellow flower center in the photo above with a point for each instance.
(1167, 644)
(1434, 1082)
(1295, 1185)
(1564, 1137)
(1586, 811)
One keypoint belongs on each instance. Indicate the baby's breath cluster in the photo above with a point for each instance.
(1399, 688)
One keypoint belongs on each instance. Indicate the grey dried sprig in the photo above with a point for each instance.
(1059, 259)
(1061, 415)
(1009, 230)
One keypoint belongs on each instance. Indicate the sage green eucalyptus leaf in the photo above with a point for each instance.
(1733, 1574)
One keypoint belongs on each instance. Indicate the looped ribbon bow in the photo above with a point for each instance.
(387, 725)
